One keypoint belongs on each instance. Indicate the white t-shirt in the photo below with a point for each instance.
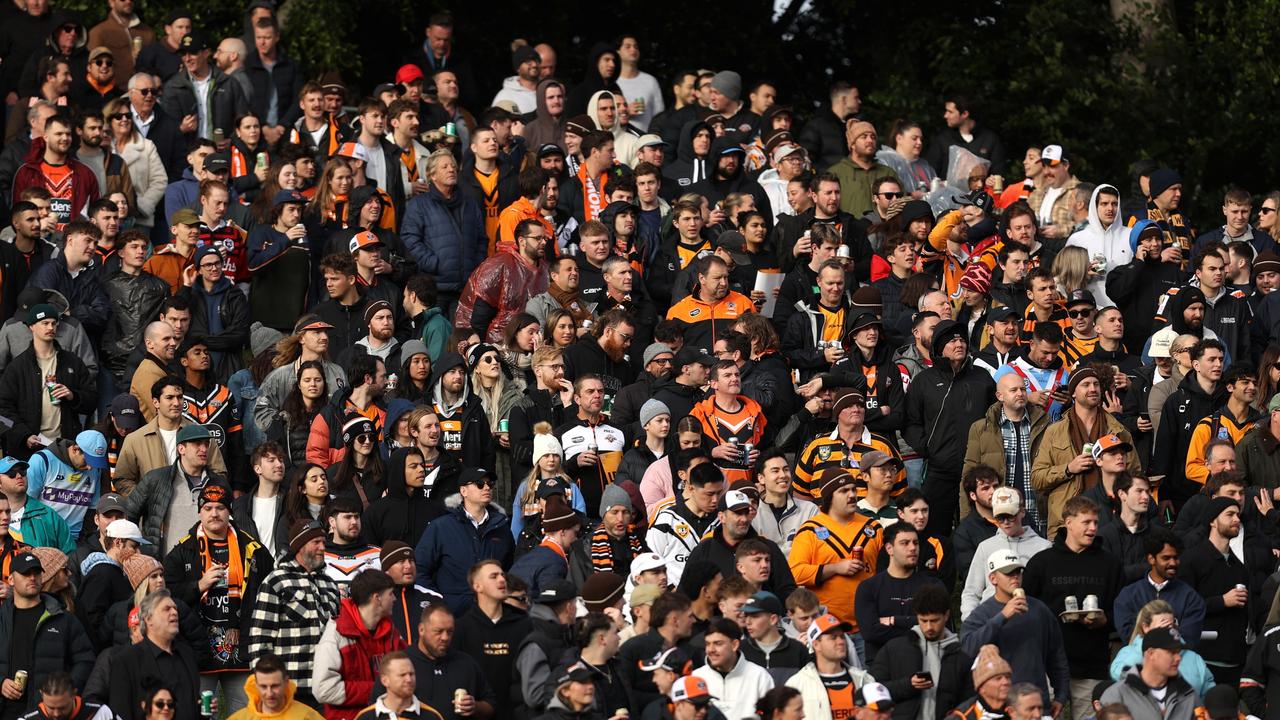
(170, 439)
(643, 87)
(264, 517)
(1045, 212)
(204, 124)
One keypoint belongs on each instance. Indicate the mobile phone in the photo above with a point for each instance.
(924, 675)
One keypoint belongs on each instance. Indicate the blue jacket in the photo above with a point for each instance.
(1187, 604)
(451, 545)
(85, 294)
(445, 236)
(180, 194)
(1191, 668)
(540, 567)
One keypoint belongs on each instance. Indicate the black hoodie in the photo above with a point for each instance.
(593, 81)
(464, 428)
(545, 127)
(940, 401)
(1182, 410)
(404, 513)
(78, 58)
(687, 168)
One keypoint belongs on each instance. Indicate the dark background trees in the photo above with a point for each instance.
(1190, 83)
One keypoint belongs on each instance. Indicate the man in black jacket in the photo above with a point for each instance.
(490, 631)
(963, 131)
(39, 637)
(1212, 568)
(657, 361)
(451, 679)
(823, 136)
(604, 355)
(1136, 287)
(158, 658)
(1199, 394)
(214, 294)
(728, 177)
(953, 393)
(790, 238)
(161, 129)
(28, 399)
(276, 79)
(104, 580)
(939, 684)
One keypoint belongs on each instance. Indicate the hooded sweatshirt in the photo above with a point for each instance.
(525, 99)
(291, 710)
(464, 426)
(57, 483)
(1110, 243)
(977, 587)
(625, 145)
(592, 81)
(546, 128)
(404, 513)
(348, 652)
(687, 168)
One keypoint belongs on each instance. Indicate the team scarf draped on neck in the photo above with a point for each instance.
(235, 565)
(601, 548)
(593, 200)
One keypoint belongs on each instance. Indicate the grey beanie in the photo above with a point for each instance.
(262, 337)
(728, 83)
(614, 495)
(654, 350)
(411, 348)
(652, 409)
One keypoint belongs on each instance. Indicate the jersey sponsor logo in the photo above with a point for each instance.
(822, 533)
(695, 312)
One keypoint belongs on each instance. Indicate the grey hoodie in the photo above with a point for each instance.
(977, 587)
(932, 652)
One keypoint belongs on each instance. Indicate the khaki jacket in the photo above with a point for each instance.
(1049, 467)
(143, 451)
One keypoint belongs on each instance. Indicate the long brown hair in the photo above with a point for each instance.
(323, 203)
(1266, 387)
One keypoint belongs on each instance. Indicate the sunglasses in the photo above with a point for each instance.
(364, 438)
(104, 62)
(890, 195)
(522, 599)
(164, 704)
(119, 116)
(491, 359)
(1073, 314)
(1266, 211)
(145, 91)
(483, 483)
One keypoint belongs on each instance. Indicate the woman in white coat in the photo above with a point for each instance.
(140, 154)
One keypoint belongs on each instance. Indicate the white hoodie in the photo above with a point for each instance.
(1111, 243)
(525, 99)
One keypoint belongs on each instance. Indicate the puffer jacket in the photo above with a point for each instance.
(150, 499)
(445, 236)
(496, 291)
(61, 645)
(135, 299)
(85, 297)
(343, 674)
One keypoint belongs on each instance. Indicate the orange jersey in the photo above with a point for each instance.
(703, 322)
(721, 427)
(822, 540)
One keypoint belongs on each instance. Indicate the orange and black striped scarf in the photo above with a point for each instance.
(602, 548)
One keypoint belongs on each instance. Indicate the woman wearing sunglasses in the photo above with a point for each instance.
(360, 473)
(140, 155)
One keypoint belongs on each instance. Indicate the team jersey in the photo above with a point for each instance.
(673, 533)
(826, 451)
(233, 244)
(213, 407)
(840, 690)
(689, 253)
(343, 564)
(489, 192)
(59, 180)
(1074, 347)
(822, 540)
(702, 321)
(1220, 425)
(743, 428)
(1029, 320)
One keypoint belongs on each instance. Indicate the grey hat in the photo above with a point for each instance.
(413, 347)
(614, 495)
(654, 350)
(728, 83)
(652, 409)
(262, 337)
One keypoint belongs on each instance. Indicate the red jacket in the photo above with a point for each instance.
(346, 661)
(503, 283)
(84, 184)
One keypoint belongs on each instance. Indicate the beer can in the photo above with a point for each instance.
(206, 702)
(503, 425)
(1240, 586)
(856, 553)
(49, 385)
(218, 135)
(1019, 593)
(450, 129)
(262, 159)
(20, 679)
(137, 45)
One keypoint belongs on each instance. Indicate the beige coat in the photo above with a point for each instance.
(143, 451)
(1049, 467)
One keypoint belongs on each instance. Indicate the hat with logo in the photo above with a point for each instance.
(126, 412)
(376, 307)
(848, 399)
(644, 562)
(691, 689)
(126, 530)
(746, 487)
(110, 502)
(288, 197)
(203, 252)
(353, 151)
(673, 658)
(1162, 343)
(552, 486)
(1004, 562)
(690, 355)
(763, 602)
(734, 500)
(1109, 443)
(1053, 155)
(94, 446)
(10, 465)
(394, 551)
(577, 672)
(26, 562)
(1005, 501)
(1163, 638)
(214, 492)
(549, 149)
(192, 42)
(580, 125)
(1081, 296)
(43, 311)
(979, 198)
(303, 532)
(218, 162)
(557, 592)
(824, 624)
(873, 696)
(652, 140)
(310, 322)
(363, 240)
(832, 479)
(1004, 312)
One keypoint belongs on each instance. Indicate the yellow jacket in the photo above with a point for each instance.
(292, 710)
(1219, 424)
(823, 540)
(1049, 468)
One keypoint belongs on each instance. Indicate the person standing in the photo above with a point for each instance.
(1212, 568)
(1155, 690)
(396, 675)
(453, 543)
(294, 603)
(158, 658)
(828, 683)
(458, 684)
(925, 670)
(361, 632)
(883, 604)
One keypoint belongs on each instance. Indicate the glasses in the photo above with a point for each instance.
(625, 337)
(1073, 314)
(522, 599)
(667, 361)
(491, 359)
(560, 366)
(210, 266)
(483, 483)
(164, 704)
(119, 116)
(1266, 210)
(365, 438)
(145, 91)
(890, 195)
(104, 62)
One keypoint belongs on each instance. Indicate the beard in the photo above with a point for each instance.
(616, 353)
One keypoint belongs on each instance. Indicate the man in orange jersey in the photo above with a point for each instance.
(732, 423)
(843, 447)
(712, 308)
(836, 549)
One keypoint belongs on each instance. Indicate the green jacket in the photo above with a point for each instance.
(40, 526)
(435, 332)
(855, 185)
(1259, 456)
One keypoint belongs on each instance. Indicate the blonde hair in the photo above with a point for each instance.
(535, 475)
(489, 398)
(1070, 268)
(1148, 611)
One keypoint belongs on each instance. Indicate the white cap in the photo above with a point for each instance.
(645, 562)
(1002, 561)
(784, 150)
(1005, 501)
(1051, 153)
(126, 530)
(1161, 342)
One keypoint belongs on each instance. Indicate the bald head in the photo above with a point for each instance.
(160, 340)
(230, 56)
(1011, 393)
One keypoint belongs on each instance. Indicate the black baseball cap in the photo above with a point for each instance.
(557, 592)
(1165, 638)
(690, 355)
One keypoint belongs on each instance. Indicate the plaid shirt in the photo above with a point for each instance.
(1017, 442)
(289, 617)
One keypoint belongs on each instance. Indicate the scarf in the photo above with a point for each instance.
(602, 548)
(593, 199)
(571, 301)
(235, 566)
(410, 161)
(338, 211)
(1080, 436)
